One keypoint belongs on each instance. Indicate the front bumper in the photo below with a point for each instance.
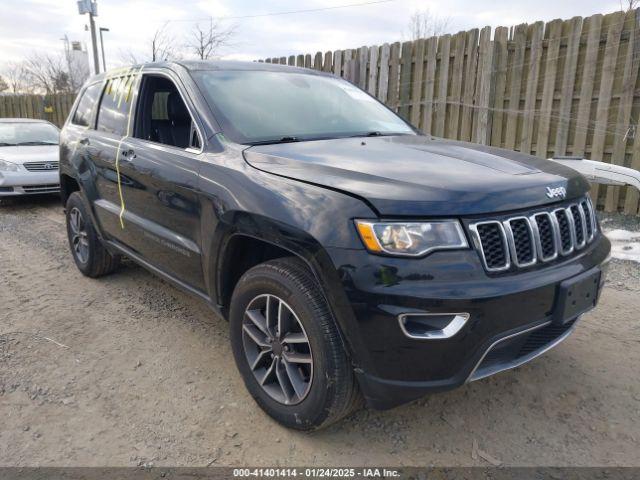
(29, 183)
(513, 318)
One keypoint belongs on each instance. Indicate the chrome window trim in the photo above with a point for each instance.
(554, 231)
(512, 242)
(476, 239)
(459, 321)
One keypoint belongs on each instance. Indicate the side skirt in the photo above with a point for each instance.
(118, 247)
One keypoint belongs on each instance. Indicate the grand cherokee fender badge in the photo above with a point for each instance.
(558, 192)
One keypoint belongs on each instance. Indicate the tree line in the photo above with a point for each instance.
(61, 72)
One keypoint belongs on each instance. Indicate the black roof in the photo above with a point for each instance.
(238, 65)
(220, 65)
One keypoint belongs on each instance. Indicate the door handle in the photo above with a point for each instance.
(128, 154)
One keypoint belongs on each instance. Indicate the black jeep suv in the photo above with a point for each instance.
(353, 256)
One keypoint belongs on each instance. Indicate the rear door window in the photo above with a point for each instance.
(82, 116)
(113, 115)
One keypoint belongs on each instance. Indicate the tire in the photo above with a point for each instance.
(90, 255)
(332, 391)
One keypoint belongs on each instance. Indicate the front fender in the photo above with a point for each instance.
(305, 247)
(303, 219)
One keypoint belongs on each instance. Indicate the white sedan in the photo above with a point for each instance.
(29, 157)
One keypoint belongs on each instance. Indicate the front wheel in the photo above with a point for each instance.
(287, 347)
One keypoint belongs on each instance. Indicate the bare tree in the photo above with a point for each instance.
(16, 77)
(48, 73)
(43, 72)
(628, 5)
(3, 84)
(205, 41)
(423, 24)
(161, 47)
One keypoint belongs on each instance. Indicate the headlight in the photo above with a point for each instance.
(8, 166)
(411, 239)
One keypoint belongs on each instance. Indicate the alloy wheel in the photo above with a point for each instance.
(277, 349)
(79, 239)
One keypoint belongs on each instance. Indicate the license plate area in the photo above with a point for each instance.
(576, 296)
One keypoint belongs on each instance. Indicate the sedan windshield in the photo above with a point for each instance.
(269, 107)
(27, 133)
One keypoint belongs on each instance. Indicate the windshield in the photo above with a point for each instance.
(27, 133)
(262, 106)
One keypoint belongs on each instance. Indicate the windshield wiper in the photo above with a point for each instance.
(273, 141)
(35, 143)
(376, 133)
(290, 139)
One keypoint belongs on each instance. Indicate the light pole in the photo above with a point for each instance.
(104, 60)
(91, 7)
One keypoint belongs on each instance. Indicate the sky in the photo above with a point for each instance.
(28, 26)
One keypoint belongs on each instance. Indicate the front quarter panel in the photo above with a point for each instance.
(301, 218)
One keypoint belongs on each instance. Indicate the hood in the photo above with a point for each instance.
(30, 153)
(421, 176)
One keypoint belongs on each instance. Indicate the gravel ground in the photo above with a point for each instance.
(127, 370)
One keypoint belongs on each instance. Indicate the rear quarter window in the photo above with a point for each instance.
(113, 114)
(82, 115)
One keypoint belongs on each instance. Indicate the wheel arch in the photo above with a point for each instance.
(283, 241)
(68, 185)
(240, 252)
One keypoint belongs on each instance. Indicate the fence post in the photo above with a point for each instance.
(554, 30)
(416, 82)
(615, 25)
(405, 79)
(482, 127)
(470, 76)
(573, 34)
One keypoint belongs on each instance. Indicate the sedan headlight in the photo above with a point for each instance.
(411, 239)
(8, 166)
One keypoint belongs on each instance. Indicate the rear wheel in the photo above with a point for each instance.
(89, 254)
(288, 349)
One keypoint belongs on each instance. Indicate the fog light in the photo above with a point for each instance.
(432, 326)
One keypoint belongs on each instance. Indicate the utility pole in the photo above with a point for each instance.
(91, 7)
(104, 60)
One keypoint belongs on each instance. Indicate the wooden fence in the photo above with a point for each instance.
(568, 87)
(563, 88)
(53, 108)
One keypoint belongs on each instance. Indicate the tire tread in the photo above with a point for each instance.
(347, 396)
(101, 262)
